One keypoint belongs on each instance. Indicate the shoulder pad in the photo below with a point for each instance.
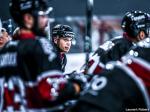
(107, 45)
(46, 45)
(47, 48)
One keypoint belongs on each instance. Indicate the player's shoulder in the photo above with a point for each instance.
(144, 43)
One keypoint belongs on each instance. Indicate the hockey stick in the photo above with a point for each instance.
(87, 39)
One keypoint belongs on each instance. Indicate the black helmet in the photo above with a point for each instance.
(62, 31)
(136, 21)
(20, 7)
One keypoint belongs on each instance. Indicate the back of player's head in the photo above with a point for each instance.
(135, 21)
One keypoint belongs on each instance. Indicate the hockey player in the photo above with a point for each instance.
(136, 26)
(62, 36)
(4, 37)
(121, 86)
(30, 77)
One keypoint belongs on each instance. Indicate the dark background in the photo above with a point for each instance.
(77, 7)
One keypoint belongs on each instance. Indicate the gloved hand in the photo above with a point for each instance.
(79, 79)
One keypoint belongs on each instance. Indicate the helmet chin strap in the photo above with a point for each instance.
(59, 49)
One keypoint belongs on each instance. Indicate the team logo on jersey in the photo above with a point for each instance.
(8, 59)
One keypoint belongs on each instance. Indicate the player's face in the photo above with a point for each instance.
(28, 21)
(141, 36)
(64, 43)
(4, 38)
(42, 21)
